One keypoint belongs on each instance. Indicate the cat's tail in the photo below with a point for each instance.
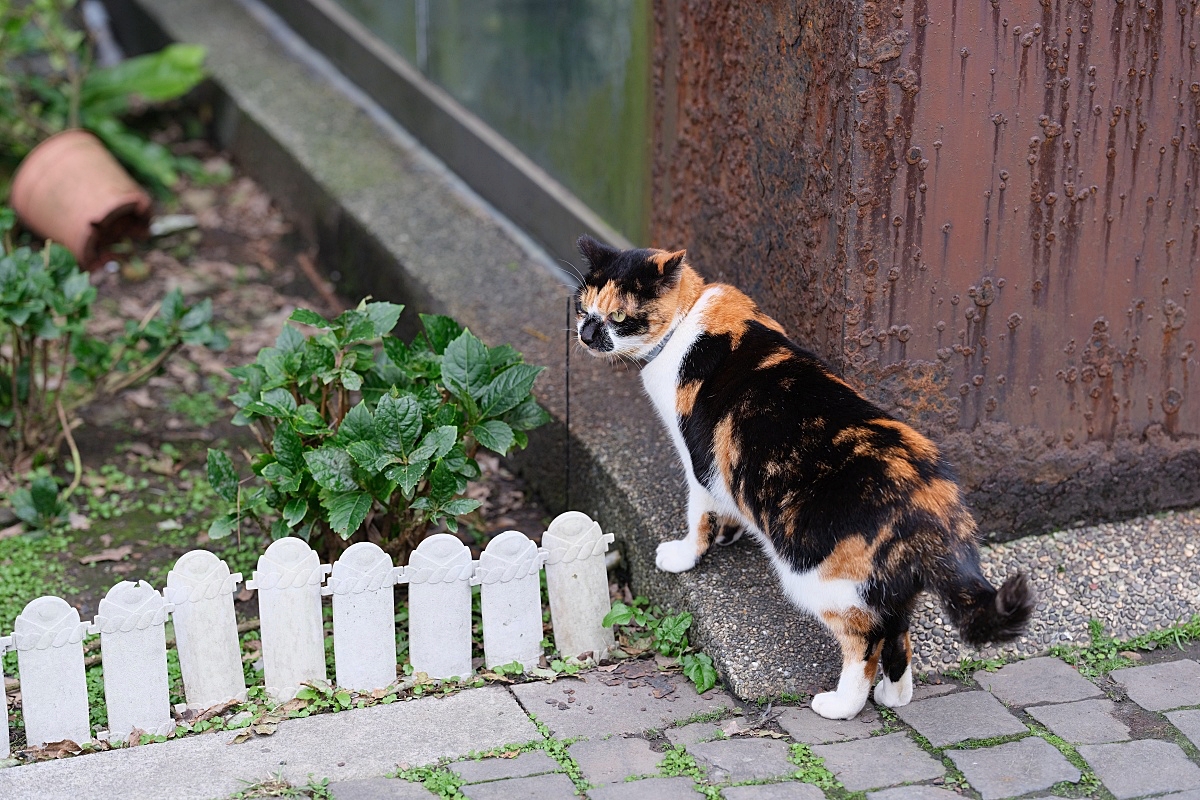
(982, 613)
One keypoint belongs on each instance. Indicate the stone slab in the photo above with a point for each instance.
(1194, 794)
(923, 691)
(792, 790)
(531, 762)
(1188, 723)
(554, 786)
(1014, 768)
(808, 727)
(736, 760)
(599, 709)
(657, 788)
(613, 760)
(349, 745)
(918, 792)
(879, 761)
(1148, 766)
(1037, 680)
(379, 789)
(694, 733)
(1083, 722)
(960, 717)
(1158, 687)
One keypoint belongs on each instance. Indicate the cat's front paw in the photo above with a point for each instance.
(677, 556)
(832, 705)
(894, 695)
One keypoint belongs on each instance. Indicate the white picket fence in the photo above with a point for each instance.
(48, 634)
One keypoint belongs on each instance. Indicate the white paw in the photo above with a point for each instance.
(894, 695)
(832, 705)
(676, 556)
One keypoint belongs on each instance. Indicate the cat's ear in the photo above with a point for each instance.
(599, 255)
(668, 264)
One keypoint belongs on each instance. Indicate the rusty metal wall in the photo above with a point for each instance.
(751, 146)
(1016, 235)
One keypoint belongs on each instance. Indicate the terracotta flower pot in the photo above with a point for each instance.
(71, 190)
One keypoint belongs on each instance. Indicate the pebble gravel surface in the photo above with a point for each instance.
(1135, 576)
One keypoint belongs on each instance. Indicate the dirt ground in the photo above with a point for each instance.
(145, 498)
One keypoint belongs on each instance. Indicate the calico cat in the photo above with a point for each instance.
(858, 512)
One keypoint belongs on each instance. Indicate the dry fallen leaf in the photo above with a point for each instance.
(11, 531)
(110, 554)
(78, 522)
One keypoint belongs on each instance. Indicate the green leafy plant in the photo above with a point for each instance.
(1106, 653)
(364, 434)
(51, 365)
(645, 627)
(48, 83)
(39, 505)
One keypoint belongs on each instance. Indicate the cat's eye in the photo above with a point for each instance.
(617, 316)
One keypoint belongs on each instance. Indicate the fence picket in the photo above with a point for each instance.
(288, 580)
(48, 637)
(131, 623)
(5, 748)
(577, 582)
(200, 588)
(439, 607)
(511, 600)
(364, 617)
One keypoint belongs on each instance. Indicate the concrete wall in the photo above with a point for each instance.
(984, 212)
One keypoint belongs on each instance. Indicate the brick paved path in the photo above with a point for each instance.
(1032, 728)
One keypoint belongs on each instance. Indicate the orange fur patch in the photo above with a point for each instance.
(850, 560)
(777, 357)
(939, 497)
(685, 397)
(917, 444)
(608, 299)
(662, 258)
(726, 449)
(731, 311)
(872, 666)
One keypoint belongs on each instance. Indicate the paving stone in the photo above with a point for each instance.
(1037, 680)
(351, 745)
(531, 762)
(599, 709)
(1148, 766)
(792, 790)
(1188, 723)
(379, 789)
(554, 786)
(923, 691)
(879, 761)
(696, 732)
(613, 760)
(807, 726)
(1084, 722)
(1014, 768)
(1157, 687)
(657, 788)
(919, 792)
(744, 759)
(958, 717)
(1194, 794)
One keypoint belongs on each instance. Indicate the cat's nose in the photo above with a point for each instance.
(591, 331)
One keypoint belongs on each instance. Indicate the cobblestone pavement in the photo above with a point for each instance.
(1033, 728)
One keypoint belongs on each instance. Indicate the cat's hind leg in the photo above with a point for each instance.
(681, 555)
(860, 660)
(896, 687)
(727, 531)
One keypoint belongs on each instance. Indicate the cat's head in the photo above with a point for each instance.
(629, 298)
